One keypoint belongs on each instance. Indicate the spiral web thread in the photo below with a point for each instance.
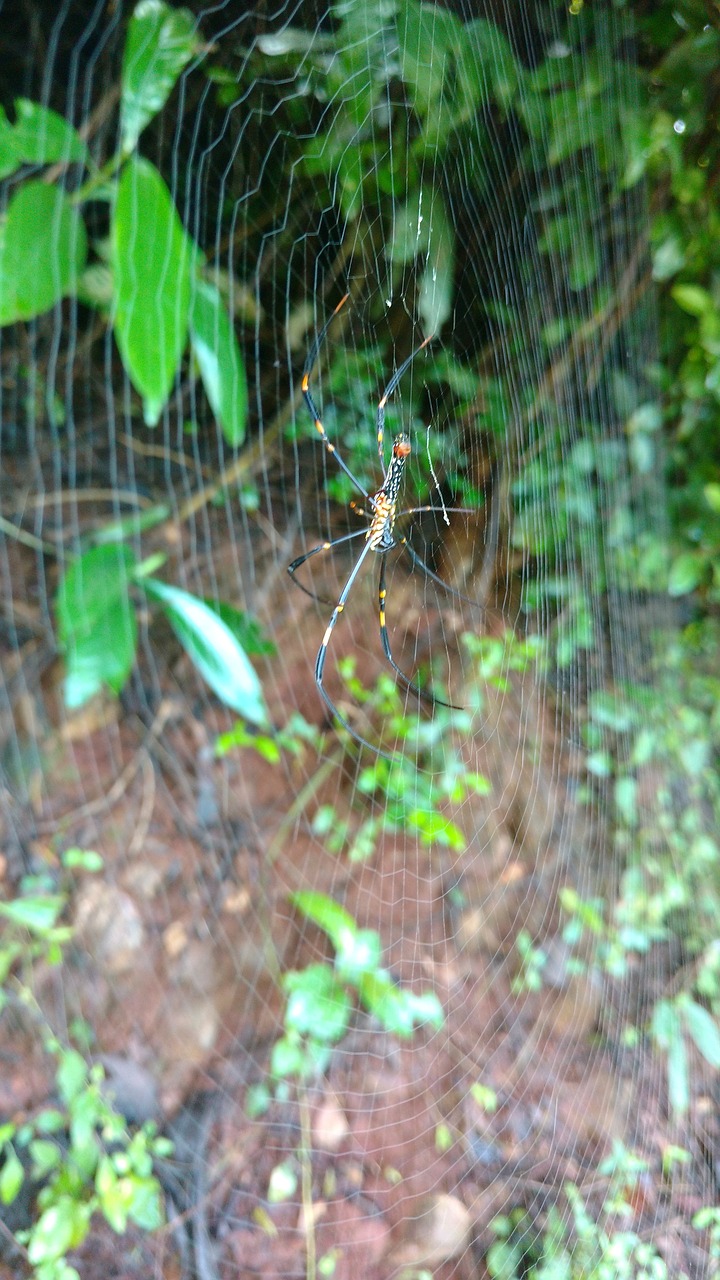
(179, 947)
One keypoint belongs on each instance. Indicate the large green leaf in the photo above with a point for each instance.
(43, 247)
(220, 360)
(160, 42)
(213, 648)
(152, 259)
(427, 36)
(490, 54)
(436, 285)
(39, 136)
(97, 629)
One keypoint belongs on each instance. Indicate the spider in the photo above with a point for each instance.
(379, 535)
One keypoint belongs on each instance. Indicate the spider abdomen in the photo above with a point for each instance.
(380, 533)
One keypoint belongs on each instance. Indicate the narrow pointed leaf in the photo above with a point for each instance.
(678, 1075)
(704, 1030)
(213, 648)
(43, 247)
(12, 1176)
(436, 286)
(160, 43)
(220, 360)
(152, 265)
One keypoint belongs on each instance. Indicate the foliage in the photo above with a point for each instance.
(97, 630)
(158, 295)
(155, 286)
(601, 1249)
(608, 111)
(78, 1155)
(320, 997)
(670, 885)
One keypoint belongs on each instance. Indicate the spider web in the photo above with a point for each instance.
(404, 1152)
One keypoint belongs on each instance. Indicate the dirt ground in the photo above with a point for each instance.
(400, 1167)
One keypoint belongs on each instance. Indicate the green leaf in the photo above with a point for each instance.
(130, 526)
(112, 1195)
(570, 240)
(712, 496)
(152, 263)
(46, 1155)
(288, 1058)
(61, 1227)
(220, 361)
(398, 1010)
(43, 247)
(35, 913)
(245, 629)
(317, 1003)
(626, 799)
(409, 231)
(160, 43)
(613, 711)
(362, 955)
(493, 59)
(435, 828)
(667, 1032)
(97, 629)
(71, 1075)
(12, 1176)
(693, 299)
(686, 572)
(86, 859)
(282, 1184)
(437, 280)
(704, 1030)
(329, 915)
(146, 1203)
(576, 123)
(678, 1075)
(426, 37)
(213, 648)
(9, 159)
(41, 136)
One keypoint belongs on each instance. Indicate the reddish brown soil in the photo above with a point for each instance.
(179, 942)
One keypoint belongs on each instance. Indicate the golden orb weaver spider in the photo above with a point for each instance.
(379, 534)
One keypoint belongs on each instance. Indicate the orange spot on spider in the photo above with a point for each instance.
(402, 448)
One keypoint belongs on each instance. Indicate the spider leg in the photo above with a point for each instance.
(388, 392)
(322, 654)
(320, 666)
(305, 384)
(420, 564)
(409, 684)
(324, 546)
